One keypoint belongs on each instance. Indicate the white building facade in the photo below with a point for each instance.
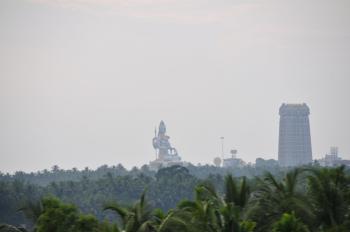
(294, 147)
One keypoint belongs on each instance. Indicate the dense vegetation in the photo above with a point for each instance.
(57, 174)
(175, 199)
(89, 189)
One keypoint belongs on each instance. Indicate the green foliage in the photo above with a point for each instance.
(210, 212)
(247, 226)
(32, 210)
(166, 187)
(87, 223)
(274, 197)
(136, 218)
(289, 223)
(172, 222)
(330, 197)
(238, 195)
(57, 217)
(308, 199)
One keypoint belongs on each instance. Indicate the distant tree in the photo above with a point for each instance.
(170, 172)
(55, 169)
(121, 168)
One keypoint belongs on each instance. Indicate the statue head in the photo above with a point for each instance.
(162, 128)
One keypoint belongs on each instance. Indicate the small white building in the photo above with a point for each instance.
(233, 161)
(332, 159)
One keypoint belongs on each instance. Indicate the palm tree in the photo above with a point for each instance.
(210, 212)
(236, 197)
(137, 218)
(173, 221)
(273, 198)
(202, 213)
(236, 193)
(329, 191)
(140, 218)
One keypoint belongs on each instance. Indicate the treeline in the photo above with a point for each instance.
(56, 174)
(89, 189)
(165, 189)
(303, 199)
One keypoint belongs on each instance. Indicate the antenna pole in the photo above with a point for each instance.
(222, 147)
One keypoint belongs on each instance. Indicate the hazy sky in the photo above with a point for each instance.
(84, 82)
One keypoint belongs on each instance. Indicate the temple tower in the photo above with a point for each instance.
(294, 147)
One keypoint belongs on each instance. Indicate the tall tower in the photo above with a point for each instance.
(294, 147)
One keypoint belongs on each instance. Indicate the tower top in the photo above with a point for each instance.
(294, 109)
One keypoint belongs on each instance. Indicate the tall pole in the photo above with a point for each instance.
(155, 135)
(222, 147)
